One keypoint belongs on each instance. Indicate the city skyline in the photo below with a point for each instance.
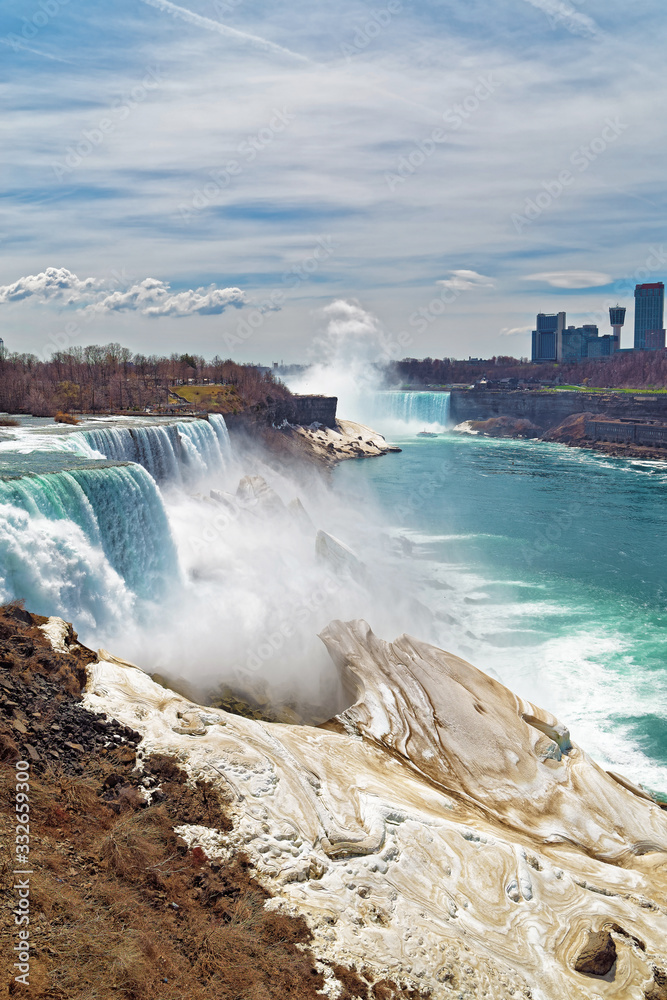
(175, 171)
(551, 340)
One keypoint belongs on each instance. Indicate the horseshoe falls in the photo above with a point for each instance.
(396, 411)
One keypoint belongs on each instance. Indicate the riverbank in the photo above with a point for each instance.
(564, 417)
(572, 432)
(547, 409)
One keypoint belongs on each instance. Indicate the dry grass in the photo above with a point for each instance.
(122, 908)
(65, 418)
(223, 398)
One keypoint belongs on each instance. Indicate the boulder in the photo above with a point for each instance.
(255, 494)
(598, 955)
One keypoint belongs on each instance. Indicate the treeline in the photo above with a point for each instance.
(109, 378)
(638, 370)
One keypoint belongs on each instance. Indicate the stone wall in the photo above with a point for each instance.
(311, 409)
(302, 410)
(548, 409)
(615, 430)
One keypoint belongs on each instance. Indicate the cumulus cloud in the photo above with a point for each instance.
(462, 280)
(150, 297)
(571, 279)
(154, 298)
(54, 283)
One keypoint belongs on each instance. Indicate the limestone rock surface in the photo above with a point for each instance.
(440, 832)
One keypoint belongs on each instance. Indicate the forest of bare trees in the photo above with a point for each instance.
(634, 370)
(110, 378)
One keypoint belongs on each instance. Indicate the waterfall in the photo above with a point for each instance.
(171, 453)
(426, 409)
(92, 541)
(86, 541)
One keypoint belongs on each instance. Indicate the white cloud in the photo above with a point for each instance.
(462, 280)
(222, 29)
(571, 279)
(15, 43)
(514, 331)
(54, 283)
(150, 297)
(560, 13)
(324, 175)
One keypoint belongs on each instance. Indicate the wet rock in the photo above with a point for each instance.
(255, 493)
(598, 955)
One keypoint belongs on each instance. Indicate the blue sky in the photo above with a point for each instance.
(211, 175)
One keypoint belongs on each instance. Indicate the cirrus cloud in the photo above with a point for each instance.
(150, 297)
(559, 13)
(571, 279)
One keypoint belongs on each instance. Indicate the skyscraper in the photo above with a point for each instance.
(548, 337)
(649, 308)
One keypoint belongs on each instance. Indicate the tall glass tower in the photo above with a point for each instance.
(649, 309)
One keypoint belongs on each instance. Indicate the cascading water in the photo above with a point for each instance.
(177, 452)
(89, 542)
(169, 452)
(407, 410)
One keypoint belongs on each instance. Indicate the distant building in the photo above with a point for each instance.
(649, 312)
(616, 320)
(583, 342)
(2, 348)
(553, 341)
(655, 340)
(600, 347)
(548, 337)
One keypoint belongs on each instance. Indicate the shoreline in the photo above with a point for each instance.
(570, 432)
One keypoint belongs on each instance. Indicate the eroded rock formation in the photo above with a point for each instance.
(440, 832)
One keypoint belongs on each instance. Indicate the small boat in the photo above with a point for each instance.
(426, 434)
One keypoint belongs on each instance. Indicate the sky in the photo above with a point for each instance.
(214, 176)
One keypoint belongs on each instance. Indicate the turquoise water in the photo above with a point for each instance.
(545, 566)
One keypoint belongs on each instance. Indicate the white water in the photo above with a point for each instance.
(145, 563)
(164, 576)
(398, 412)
